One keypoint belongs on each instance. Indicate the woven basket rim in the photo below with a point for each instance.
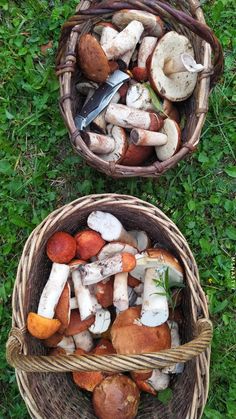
(202, 90)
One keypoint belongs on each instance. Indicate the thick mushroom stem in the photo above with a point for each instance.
(175, 341)
(158, 380)
(147, 138)
(67, 343)
(102, 322)
(125, 41)
(146, 49)
(97, 143)
(84, 299)
(73, 303)
(109, 227)
(84, 340)
(127, 117)
(94, 272)
(53, 289)
(184, 62)
(120, 292)
(155, 309)
(107, 36)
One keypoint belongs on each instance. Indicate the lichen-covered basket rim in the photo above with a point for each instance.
(184, 16)
(44, 381)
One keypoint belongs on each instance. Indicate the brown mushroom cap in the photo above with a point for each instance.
(92, 58)
(137, 155)
(117, 396)
(166, 257)
(62, 311)
(104, 347)
(87, 380)
(40, 327)
(53, 341)
(130, 337)
(88, 244)
(76, 325)
(61, 247)
(104, 293)
(145, 386)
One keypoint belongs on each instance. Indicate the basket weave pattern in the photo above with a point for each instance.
(187, 18)
(51, 392)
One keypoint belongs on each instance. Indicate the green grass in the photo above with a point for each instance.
(39, 172)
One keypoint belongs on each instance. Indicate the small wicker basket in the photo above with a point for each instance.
(44, 382)
(187, 18)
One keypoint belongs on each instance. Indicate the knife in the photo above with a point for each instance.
(100, 99)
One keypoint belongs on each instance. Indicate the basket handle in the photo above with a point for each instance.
(63, 363)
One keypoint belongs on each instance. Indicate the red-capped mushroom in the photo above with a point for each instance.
(61, 247)
(88, 244)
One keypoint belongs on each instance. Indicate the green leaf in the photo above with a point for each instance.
(231, 232)
(5, 167)
(165, 396)
(231, 171)
(154, 98)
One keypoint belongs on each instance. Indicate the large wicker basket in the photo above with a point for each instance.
(187, 18)
(44, 381)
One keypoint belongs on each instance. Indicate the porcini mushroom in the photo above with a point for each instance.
(137, 155)
(145, 138)
(127, 117)
(109, 227)
(84, 340)
(93, 61)
(61, 247)
(117, 396)
(153, 25)
(138, 97)
(88, 244)
(97, 271)
(86, 380)
(147, 46)
(83, 296)
(142, 239)
(115, 247)
(158, 380)
(62, 311)
(40, 327)
(67, 343)
(129, 336)
(104, 293)
(169, 74)
(125, 41)
(175, 341)
(172, 131)
(120, 140)
(97, 143)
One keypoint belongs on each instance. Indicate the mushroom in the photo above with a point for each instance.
(169, 74)
(53, 340)
(62, 311)
(67, 343)
(109, 227)
(120, 293)
(99, 27)
(147, 46)
(144, 386)
(153, 25)
(137, 155)
(87, 380)
(97, 143)
(139, 289)
(57, 352)
(119, 137)
(77, 325)
(125, 41)
(104, 293)
(84, 299)
(172, 131)
(41, 327)
(115, 247)
(61, 247)
(84, 340)
(93, 61)
(138, 97)
(147, 138)
(161, 258)
(142, 239)
(107, 35)
(73, 303)
(102, 322)
(158, 380)
(97, 271)
(127, 117)
(104, 347)
(117, 396)
(175, 341)
(155, 305)
(129, 336)
(170, 110)
(88, 243)
(132, 282)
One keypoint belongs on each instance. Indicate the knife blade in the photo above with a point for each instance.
(100, 99)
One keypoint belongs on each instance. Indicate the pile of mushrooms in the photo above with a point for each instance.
(141, 119)
(105, 294)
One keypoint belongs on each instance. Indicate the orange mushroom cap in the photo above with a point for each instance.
(77, 325)
(104, 293)
(87, 380)
(88, 244)
(61, 247)
(40, 327)
(62, 311)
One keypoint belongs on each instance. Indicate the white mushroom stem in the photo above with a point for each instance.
(91, 273)
(97, 143)
(109, 227)
(67, 343)
(53, 289)
(120, 292)
(102, 322)
(128, 117)
(132, 296)
(155, 309)
(85, 302)
(143, 241)
(139, 301)
(147, 138)
(84, 340)
(175, 341)
(125, 41)
(107, 36)
(112, 248)
(146, 49)
(184, 62)
(73, 303)
(158, 380)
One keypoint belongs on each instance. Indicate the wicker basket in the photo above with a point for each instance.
(187, 19)
(50, 393)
